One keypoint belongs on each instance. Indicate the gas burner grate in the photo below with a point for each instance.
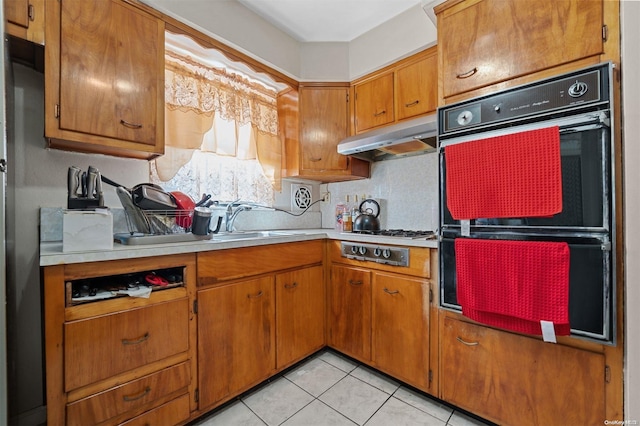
(400, 233)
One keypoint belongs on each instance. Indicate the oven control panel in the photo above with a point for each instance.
(387, 255)
(582, 89)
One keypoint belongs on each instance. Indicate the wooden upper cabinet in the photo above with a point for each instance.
(313, 120)
(417, 87)
(25, 19)
(105, 79)
(324, 121)
(403, 90)
(374, 102)
(484, 42)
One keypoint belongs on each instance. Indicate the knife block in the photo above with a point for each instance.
(84, 203)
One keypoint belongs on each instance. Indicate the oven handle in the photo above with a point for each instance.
(574, 123)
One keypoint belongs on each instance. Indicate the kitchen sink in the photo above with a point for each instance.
(232, 236)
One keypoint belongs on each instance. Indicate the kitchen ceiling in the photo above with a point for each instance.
(327, 20)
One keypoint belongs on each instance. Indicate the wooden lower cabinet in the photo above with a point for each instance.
(172, 413)
(517, 380)
(400, 327)
(380, 315)
(260, 309)
(236, 338)
(119, 359)
(349, 311)
(300, 315)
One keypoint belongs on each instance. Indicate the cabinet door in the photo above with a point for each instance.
(299, 314)
(349, 314)
(417, 88)
(400, 327)
(485, 42)
(374, 103)
(236, 338)
(324, 121)
(111, 70)
(513, 379)
(17, 12)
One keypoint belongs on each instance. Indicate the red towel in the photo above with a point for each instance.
(514, 284)
(516, 175)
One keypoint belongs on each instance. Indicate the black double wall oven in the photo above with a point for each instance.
(524, 170)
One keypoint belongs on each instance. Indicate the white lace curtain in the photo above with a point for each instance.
(217, 111)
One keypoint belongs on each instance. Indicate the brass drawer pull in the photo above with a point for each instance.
(378, 114)
(142, 394)
(315, 159)
(136, 341)
(468, 73)
(386, 290)
(255, 296)
(352, 282)
(294, 285)
(459, 339)
(130, 125)
(416, 102)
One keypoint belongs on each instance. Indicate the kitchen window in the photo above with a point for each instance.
(221, 127)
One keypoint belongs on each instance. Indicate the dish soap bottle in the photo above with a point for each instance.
(347, 224)
(355, 211)
(339, 225)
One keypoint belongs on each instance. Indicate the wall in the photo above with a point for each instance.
(630, 16)
(242, 29)
(406, 188)
(37, 178)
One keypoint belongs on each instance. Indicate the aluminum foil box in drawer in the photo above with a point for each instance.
(87, 230)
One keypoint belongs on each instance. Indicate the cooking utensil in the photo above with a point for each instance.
(367, 220)
(185, 206)
(133, 213)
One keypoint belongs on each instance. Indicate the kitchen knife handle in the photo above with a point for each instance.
(91, 184)
(73, 181)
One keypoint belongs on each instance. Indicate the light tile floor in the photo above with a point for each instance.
(330, 390)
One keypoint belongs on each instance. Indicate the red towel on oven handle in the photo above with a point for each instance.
(508, 176)
(514, 284)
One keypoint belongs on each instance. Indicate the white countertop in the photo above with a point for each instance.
(51, 252)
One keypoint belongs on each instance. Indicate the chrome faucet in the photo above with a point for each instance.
(231, 214)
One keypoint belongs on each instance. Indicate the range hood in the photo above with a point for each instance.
(411, 137)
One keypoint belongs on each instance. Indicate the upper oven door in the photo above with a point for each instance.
(585, 161)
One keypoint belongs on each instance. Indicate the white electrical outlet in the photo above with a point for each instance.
(300, 197)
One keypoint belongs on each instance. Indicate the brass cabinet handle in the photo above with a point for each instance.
(130, 125)
(136, 341)
(416, 102)
(294, 285)
(315, 159)
(459, 339)
(255, 296)
(468, 73)
(352, 282)
(378, 114)
(386, 290)
(129, 398)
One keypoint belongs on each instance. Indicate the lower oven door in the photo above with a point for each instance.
(591, 304)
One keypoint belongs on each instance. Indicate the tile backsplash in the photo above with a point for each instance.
(406, 189)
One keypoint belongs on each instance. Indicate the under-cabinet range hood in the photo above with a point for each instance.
(411, 137)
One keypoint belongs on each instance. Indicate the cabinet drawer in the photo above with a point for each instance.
(102, 347)
(137, 393)
(512, 379)
(171, 413)
(215, 266)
